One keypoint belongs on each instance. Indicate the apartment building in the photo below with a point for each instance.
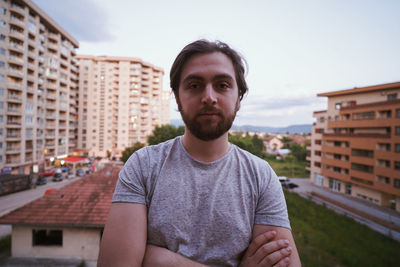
(355, 144)
(38, 88)
(120, 102)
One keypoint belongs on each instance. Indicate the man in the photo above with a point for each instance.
(198, 200)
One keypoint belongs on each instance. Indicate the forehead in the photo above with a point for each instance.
(208, 65)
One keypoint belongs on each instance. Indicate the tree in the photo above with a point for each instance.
(253, 144)
(130, 150)
(286, 141)
(164, 133)
(298, 151)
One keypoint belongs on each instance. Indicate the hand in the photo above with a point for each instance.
(264, 251)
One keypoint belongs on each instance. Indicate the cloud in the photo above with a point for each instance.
(261, 102)
(85, 20)
(279, 110)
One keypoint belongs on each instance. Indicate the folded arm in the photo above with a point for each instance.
(277, 250)
(124, 237)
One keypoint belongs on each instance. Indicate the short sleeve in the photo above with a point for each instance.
(131, 186)
(271, 207)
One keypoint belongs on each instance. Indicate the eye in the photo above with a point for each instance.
(223, 85)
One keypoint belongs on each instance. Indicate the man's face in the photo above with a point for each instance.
(208, 95)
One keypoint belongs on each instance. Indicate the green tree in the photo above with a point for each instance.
(286, 141)
(298, 151)
(164, 133)
(252, 144)
(130, 150)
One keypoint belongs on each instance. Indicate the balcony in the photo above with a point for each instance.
(13, 124)
(17, 9)
(16, 47)
(14, 98)
(50, 135)
(15, 73)
(11, 162)
(17, 34)
(14, 111)
(15, 60)
(13, 136)
(13, 149)
(336, 162)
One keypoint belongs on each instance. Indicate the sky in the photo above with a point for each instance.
(294, 48)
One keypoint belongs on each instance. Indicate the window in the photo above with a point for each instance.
(3, 23)
(397, 130)
(362, 153)
(370, 115)
(46, 237)
(363, 181)
(392, 97)
(397, 148)
(397, 113)
(2, 64)
(397, 165)
(362, 167)
(3, 11)
(2, 51)
(338, 105)
(2, 37)
(396, 183)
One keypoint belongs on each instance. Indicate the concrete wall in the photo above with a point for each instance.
(77, 243)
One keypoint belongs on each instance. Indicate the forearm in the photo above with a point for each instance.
(157, 256)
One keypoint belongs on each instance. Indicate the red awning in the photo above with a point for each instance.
(73, 159)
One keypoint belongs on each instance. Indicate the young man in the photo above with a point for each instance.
(198, 200)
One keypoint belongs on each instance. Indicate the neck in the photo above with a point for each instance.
(205, 151)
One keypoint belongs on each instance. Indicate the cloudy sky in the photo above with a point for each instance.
(295, 49)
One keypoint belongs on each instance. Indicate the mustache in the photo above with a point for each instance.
(208, 110)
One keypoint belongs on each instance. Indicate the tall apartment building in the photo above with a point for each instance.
(120, 102)
(38, 88)
(355, 144)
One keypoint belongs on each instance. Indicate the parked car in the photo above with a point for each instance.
(80, 172)
(41, 181)
(57, 177)
(64, 169)
(48, 173)
(285, 182)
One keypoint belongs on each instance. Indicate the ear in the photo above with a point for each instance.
(178, 102)
(237, 105)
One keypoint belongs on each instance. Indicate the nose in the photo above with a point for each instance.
(209, 96)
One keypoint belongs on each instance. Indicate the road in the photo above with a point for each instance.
(13, 201)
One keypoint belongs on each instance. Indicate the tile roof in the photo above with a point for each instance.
(84, 203)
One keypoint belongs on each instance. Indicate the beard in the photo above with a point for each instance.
(208, 129)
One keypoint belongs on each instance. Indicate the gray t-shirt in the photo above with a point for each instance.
(203, 211)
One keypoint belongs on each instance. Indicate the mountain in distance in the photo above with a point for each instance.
(291, 129)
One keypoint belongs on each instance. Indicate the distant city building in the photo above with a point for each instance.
(355, 144)
(120, 102)
(38, 88)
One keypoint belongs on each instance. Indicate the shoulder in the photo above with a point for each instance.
(154, 152)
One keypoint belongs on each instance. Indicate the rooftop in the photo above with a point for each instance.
(355, 90)
(84, 203)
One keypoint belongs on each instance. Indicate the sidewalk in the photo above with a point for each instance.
(381, 219)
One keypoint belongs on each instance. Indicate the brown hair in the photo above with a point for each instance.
(206, 47)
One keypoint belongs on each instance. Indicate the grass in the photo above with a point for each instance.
(288, 168)
(325, 238)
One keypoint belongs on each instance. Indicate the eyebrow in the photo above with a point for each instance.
(200, 78)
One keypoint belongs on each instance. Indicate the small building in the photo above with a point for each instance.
(272, 144)
(67, 223)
